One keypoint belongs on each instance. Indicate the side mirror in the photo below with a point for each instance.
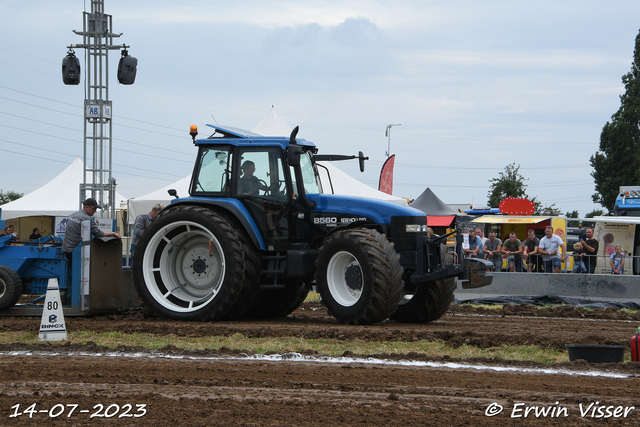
(361, 159)
(173, 193)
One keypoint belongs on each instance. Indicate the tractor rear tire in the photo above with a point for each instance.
(359, 276)
(274, 303)
(250, 284)
(430, 301)
(189, 264)
(10, 287)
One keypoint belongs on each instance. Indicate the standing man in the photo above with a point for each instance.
(480, 234)
(530, 246)
(512, 248)
(141, 223)
(475, 246)
(590, 247)
(72, 237)
(548, 248)
(493, 250)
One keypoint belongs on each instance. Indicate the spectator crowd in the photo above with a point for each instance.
(535, 254)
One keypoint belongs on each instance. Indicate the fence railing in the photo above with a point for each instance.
(603, 266)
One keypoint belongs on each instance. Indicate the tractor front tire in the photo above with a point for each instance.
(10, 287)
(425, 302)
(359, 276)
(189, 264)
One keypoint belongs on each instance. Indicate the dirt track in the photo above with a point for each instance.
(201, 388)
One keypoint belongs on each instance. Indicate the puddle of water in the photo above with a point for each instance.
(576, 319)
(297, 357)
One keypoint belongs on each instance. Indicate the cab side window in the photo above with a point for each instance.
(261, 174)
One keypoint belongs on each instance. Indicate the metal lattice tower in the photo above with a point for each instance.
(98, 38)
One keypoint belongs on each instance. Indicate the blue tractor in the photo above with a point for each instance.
(257, 231)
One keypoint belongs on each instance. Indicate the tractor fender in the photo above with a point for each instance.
(356, 224)
(232, 207)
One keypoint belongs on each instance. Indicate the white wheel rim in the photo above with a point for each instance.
(345, 278)
(183, 266)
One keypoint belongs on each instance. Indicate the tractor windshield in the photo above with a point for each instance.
(309, 176)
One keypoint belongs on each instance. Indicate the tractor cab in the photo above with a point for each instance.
(252, 169)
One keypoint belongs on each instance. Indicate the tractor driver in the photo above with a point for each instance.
(249, 184)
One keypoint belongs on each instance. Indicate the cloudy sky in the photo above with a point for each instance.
(475, 85)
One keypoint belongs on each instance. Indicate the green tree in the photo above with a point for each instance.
(509, 184)
(617, 162)
(595, 212)
(573, 214)
(9, 196)
(550, 210)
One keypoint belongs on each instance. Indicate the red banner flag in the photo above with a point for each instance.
(386, 176)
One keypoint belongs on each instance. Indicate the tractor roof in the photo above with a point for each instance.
(234, 136)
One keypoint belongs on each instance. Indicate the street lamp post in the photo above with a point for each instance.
(388, 135)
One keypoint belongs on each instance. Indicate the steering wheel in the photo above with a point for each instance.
(275, 188)
(264, 184)
(278, 188)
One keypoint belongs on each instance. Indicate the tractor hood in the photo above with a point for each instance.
(379, 211)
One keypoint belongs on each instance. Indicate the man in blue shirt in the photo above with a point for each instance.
(475, 246)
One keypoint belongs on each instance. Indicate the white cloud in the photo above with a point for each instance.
(356, 32)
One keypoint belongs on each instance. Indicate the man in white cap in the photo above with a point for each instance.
(72, 237)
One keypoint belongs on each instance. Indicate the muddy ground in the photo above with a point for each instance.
(213, 388)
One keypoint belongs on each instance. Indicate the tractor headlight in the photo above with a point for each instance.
(416, 228)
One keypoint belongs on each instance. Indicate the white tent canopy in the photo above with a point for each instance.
(59, 197)
(346, 185)
(143, 204)
(272, 125)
